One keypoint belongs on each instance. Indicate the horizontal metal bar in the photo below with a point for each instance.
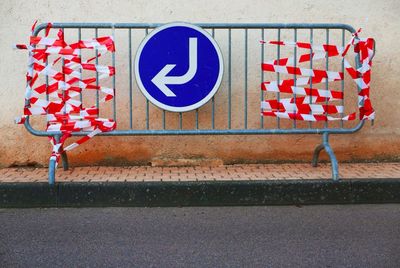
(204, 25)
(204, 131)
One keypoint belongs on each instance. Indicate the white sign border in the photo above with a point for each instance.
(173, 108)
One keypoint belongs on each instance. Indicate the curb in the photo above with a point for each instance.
(207, 193)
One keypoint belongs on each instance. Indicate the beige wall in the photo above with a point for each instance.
(379, 19)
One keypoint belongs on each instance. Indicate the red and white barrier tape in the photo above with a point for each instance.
(64, 112)
(305, 107)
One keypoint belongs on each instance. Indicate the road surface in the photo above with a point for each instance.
(275, 236)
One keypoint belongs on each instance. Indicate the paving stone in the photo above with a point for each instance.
(252, 172)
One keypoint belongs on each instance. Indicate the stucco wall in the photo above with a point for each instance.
(379, 19)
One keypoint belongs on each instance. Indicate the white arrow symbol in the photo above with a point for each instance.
(161, 80)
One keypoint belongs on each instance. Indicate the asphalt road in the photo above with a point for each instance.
(280, 236)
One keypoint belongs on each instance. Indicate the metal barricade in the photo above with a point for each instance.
(235, 109)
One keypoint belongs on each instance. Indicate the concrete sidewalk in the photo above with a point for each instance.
(241, 172)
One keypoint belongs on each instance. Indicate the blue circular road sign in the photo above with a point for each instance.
(178, 67)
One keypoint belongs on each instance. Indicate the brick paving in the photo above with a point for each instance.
(199, 173)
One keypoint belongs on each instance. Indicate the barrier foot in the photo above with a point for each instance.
(317, 150)
(52, 171)
(328, 149)
(64, 159)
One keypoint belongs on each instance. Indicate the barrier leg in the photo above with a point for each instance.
(332, 157)
(317, 150)
(52, 171)
(64, 159)
(328, 149)
(53, 164)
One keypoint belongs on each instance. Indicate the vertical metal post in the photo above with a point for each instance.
(96, 33)
(130, 81)
(147, 101)
(278, 95)
(212, 100)
(80, 69)
(229, 77)
(197, 118)
(114, 80)
(245, 76)
(327, 69)
(294, 76)
(342, 82)
(180, 120)
(147, 115)
(47, 81)
(63, 87)
(63, 154)
(47, 84)
(262, 77)
(163, 119)
(80, 79)
(311, 66)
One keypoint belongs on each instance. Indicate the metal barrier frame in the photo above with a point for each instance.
(325, 132)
